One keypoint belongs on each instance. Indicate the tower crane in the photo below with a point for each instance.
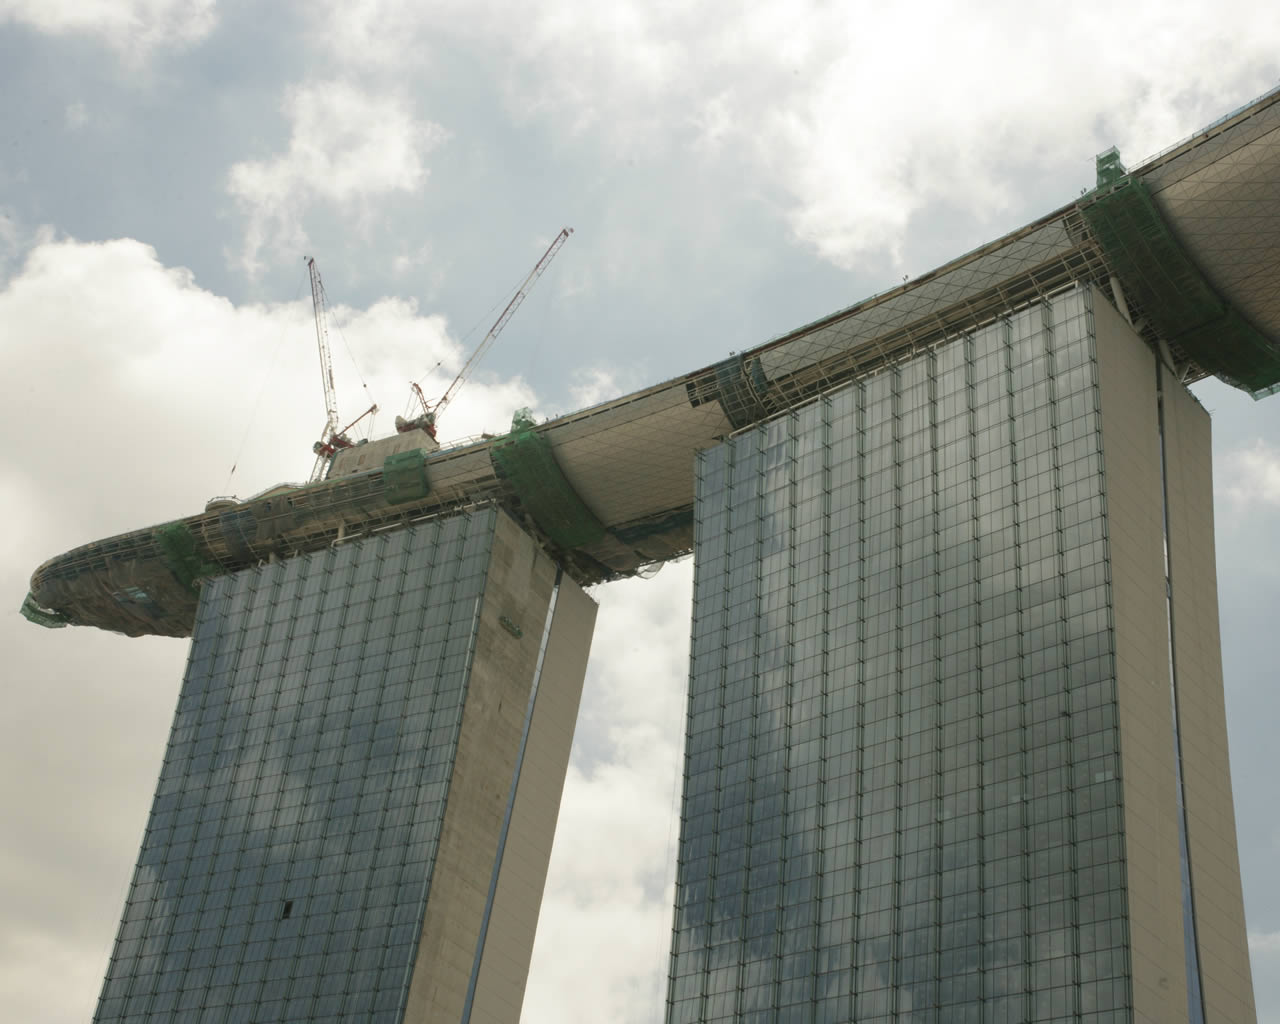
(431, 413)
(331, 438)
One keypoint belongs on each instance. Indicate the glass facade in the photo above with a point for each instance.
(285, 865)
(902, 797)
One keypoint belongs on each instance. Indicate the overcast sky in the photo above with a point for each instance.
(166, 165)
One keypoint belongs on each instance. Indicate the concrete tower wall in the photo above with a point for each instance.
(1130, 393)
(1211, 824)
(505, 963)
(513, 753)
(1135, 533)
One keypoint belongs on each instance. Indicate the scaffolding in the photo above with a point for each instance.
(1191, 240)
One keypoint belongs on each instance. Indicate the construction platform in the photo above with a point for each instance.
(1187, 246)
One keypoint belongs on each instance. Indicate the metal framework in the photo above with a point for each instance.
(1189, 244)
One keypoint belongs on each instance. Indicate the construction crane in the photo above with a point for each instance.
(331, 437)
(431, 413)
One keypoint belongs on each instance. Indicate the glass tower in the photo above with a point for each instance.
(324, 844)
(905, 797)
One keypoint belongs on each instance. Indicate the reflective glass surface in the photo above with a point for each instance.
(285, 864)
(901, 793)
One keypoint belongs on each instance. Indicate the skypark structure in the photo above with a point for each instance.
(956, 744)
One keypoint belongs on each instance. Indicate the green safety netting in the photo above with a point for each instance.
(181, 554)
(525, 460)
(41, 616)
(1110, 169)
(404, 477)
(1181, 305)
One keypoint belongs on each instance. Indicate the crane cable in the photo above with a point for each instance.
(350, 354)
(285, 329)
(432, 411)
(483, 319)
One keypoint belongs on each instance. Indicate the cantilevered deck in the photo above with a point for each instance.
(1188, 245)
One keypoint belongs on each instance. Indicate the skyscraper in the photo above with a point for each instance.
(956, 741)
(355, 812)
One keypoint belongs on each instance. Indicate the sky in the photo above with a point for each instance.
(166, 166)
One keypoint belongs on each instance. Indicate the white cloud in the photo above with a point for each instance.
(1264, 943)
(347, 147)
(379, 34)
(17, 239)
(76, 115)
(891, 121)
(411, 259)
(604, 931)
(855, 118)
(1264, 958)
(593, 385)
(29, 961)
(1251, 475)
(134, 28)
(118, 352)
(8, 236)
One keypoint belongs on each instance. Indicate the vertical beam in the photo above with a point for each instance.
(1211, 828)
(1131, 452)
(499, 721)
(513, 920)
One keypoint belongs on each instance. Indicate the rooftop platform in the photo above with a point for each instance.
(1187, 245)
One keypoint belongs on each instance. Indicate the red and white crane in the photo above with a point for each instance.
(431, 413)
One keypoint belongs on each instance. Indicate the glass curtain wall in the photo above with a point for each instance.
(286, 860)
(901, 793)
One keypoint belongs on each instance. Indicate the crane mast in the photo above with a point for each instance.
(322, 343)
(427, 421)
(331, 438)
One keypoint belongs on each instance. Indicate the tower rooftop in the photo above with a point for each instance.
(1187, 245)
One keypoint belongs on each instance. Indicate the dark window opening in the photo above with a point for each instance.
(288, 910)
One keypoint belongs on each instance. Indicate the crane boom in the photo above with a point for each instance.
(501, 322)
(322, 343)
(331, 439)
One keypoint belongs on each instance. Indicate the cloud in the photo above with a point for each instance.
(134, 28)
(9, 237)
(411, 259)
(76, 115)
(348, 147)
(1264, 957)
(17, 238)
(594, 385)
(1264, 943)
(856, 120)
(1251, 475)
(894, 122)
(112, 351)
(612, 878)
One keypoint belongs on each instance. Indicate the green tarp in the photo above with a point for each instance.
(404, 477)
(181, 554)
(1174, 295)
(33, 612)
(525, 460)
